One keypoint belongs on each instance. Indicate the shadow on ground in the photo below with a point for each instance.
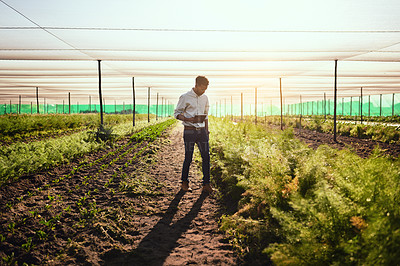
(162, 239)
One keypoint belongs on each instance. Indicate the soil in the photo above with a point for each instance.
(121, 210)
(123, 206)
(362, 147)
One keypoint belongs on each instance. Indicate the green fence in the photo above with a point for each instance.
(162, 110)
(371, 105)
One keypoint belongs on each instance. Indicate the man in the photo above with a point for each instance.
(189, 107)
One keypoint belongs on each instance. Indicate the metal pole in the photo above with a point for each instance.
(90, 103)
(325, 106)
(241, 106)
(133, 101)
(19, 105)
(232, 107)
(280, 88)
(69, 102)
(301, 111)
(369, 105)
(255, 104)
(31, 108)
(148, 105)
(157, 107)
(361, 103)
(220, 108)
(342, 107)
(37, 99)
(225, 107)
(351, 105)
(380, 105)
(393, 105)
(100, 96)
(334, 103)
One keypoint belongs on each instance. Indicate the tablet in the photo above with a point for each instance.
(200, 118)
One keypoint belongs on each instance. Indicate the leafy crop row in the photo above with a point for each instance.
(379, 132)
(24, 158)
(75, 195)
(298, 206)
(20, 127)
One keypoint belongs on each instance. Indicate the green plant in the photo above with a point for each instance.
(41, 235)
(298, 206)
(104, 134)
(28, 246)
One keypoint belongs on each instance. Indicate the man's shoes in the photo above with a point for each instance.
(207, 188)
(185, 186)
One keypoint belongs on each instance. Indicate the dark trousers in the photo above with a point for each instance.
(199, 137)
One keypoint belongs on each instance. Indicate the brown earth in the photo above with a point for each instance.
(362, 147)
(126, 209)
(121, 210)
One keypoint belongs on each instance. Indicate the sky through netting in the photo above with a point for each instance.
(238, 45)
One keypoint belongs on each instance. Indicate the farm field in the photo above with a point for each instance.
(293, 205)
(112, 205)
(278, 200)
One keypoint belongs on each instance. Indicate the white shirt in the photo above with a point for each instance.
(190, 104)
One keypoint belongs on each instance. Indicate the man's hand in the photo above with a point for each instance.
(186, 119)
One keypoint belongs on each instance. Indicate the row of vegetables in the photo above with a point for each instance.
(71, 201)
(292, 205)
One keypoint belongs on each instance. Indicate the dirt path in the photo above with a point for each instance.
(187, 232)
(123, 207)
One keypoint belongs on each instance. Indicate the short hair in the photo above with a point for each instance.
(201, 80)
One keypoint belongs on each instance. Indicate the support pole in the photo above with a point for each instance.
(342, 106)
(69, 102)
(380, 105)
(369, 105)
(335, 103)
(351, 105)
(100, 95)
(162, 107)
(157, 107)
(280, 88)
(37, 100)
(255, 105)
(361, 103)
(232, 107)
(19, 108)
(148, 105)
(133, 101)
(301, 111)
(90, 103)
(241, 106)
(393, 105)
(225, 107)
(325, 106)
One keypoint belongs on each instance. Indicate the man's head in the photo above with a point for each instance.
(201, 85)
